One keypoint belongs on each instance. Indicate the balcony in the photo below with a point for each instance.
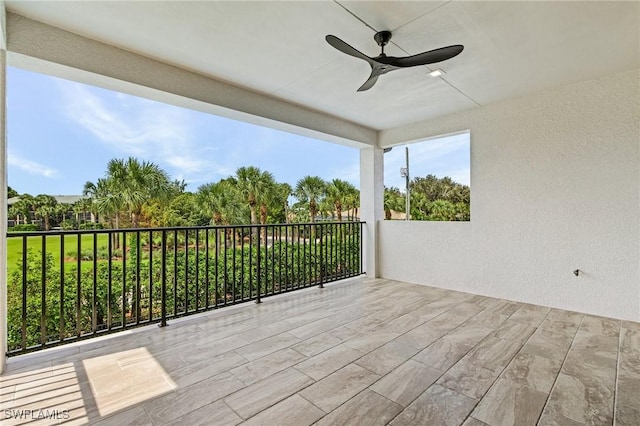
(549, 93)
(369, 351)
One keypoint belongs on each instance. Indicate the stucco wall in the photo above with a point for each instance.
(555, 186)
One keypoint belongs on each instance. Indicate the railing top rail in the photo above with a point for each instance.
(170, 228)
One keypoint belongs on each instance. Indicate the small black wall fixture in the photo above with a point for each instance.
(576, 272)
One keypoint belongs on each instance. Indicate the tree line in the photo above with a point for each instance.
(432, 198)
(136, 193)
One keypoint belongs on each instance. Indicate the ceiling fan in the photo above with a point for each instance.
(383, 64)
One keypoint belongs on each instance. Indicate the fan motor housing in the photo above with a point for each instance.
(382, 37)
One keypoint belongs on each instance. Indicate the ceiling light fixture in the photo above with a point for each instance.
(436, 73)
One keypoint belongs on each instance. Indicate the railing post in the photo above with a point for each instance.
(43, 289)
(24, 293)
(79, 287)
(361, 248)
(163, 291)
(135, 309)
(322, 263)
(61, 333)
(258, 269)
(94, 296)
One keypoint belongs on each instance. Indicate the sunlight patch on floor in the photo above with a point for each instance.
(125, 378)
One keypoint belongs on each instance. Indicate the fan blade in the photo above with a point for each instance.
(424, 58)
(345, 48)
(368, 84)
(375, 73)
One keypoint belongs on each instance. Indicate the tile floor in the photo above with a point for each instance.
(360, 352)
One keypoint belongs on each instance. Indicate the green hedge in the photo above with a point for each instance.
(91, 225)
(25, 227)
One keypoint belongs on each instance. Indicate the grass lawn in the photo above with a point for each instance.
(14, 247)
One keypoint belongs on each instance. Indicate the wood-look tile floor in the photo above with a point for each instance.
(360, 352)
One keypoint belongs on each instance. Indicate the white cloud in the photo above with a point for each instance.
(138, 127)
(31, 166)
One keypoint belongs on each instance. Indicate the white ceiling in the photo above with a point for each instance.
(278, 48)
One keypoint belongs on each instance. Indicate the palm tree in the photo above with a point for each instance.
(60, 213)
(14, 213)
(89, 190)
(311, 190)
(25, 206)
(338, 192)
(283, 191)
(223, 203)
(137, 183)
(45, 208)
(106, 200)
(253, 184)
(393, 201)
(327, 208)
(78, 208)
(352, 203)
(269, 197)
(82, 206)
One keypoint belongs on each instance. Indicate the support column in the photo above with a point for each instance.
(371, 205)
(3, 209)
(3, 188)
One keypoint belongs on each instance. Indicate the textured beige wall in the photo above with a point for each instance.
(555, 186)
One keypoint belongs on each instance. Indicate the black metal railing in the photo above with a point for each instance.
(69, 285)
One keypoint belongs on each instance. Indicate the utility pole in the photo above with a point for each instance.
(408, 215)
(404, 172)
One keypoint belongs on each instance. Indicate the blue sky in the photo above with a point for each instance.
(62, 134)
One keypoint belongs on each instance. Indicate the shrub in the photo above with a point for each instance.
(84, 254)
(103, 252)
(68, 224)
(25, 227)
(90, 225)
